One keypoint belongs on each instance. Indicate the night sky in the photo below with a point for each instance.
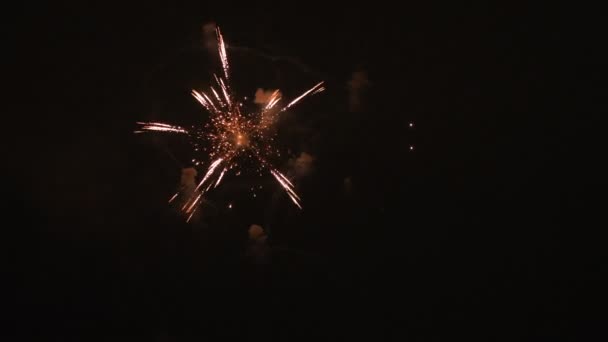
(488, 227)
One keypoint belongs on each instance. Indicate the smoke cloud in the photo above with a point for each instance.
(256, 232)
(348, 186)
(262, 97)
(209, 36)
(302, 165)
(357, 86)
(258, 249)
(188, 180)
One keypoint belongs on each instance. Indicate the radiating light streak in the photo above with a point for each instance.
(190, 216)
(222, 52)
(223, 86)
(274, 98)
(302, 96)
(288, 188)
(156, 126)
(174, 196)
(209, 172)
(220, 178)
(194, 203)
(217, 97)
(285, 178)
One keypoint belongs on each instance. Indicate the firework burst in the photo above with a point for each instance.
(233, 134)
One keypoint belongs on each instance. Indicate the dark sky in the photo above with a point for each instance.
(484, 229)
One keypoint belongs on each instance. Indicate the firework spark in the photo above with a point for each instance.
(161, 127)
(173, 197)
(222, 52)
(288, 186)
(220, 178)
(317, 87)
(232, 134)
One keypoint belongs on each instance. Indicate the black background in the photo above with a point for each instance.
(490, 227)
